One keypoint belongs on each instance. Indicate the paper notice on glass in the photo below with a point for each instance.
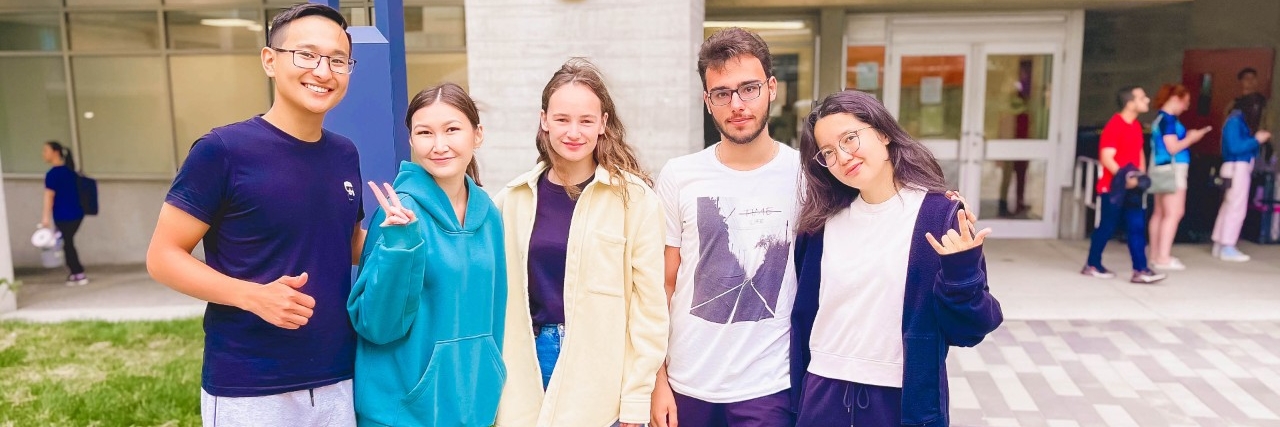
(868, 75)
(931, 90)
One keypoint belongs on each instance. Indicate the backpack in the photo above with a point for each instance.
(88, 190)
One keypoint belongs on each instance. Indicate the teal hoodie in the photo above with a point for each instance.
(429, 306)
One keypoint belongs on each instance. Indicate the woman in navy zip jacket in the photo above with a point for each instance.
(901, 280)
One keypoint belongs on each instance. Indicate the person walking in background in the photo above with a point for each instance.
(430, 300)
(1240, 141)
(891, 273)
(1170, 163)
(1123, 162)
(276, 200)
(587, 320)
(62, 205)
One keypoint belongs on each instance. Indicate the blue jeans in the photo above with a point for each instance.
(546, 342)
(1135, 220)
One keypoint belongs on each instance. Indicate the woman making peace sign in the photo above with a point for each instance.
(430, 300)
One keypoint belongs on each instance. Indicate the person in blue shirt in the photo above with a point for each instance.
(430, 300)
(276, 200)
(62, 205)
(1170, 152)
(1240, 141)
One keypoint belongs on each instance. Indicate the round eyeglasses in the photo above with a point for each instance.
(827, 156)
(311, 60)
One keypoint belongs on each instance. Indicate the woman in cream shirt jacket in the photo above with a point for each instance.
(587, 318)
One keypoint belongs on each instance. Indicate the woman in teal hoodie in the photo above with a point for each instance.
(429, 303)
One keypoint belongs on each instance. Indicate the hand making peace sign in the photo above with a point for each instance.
(397, 214)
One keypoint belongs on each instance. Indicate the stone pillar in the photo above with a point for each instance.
(647, 50)
(8, 299)
(831, 66)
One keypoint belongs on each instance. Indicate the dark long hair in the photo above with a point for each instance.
(454, 96)
(65, 152)
(612, 151)
(823, 196)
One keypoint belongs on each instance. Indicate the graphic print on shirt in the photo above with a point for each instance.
(745, 246)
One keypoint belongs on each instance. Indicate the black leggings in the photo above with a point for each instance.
(68, 230)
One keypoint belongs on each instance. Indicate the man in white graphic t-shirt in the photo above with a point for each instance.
(730, 212)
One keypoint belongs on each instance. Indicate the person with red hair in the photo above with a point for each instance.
(1170, 162)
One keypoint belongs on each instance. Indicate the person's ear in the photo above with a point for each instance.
(268, 61)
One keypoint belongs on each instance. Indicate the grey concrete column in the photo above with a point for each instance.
(831, 67)
(647, 50)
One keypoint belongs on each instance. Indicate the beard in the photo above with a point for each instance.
(748, 138)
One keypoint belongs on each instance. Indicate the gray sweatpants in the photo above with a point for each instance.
(328, 406)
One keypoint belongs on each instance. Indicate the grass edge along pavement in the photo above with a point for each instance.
(97, 373)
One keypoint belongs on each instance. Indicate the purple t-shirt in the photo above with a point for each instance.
(547, 250)
(66, 193)
(275, 206)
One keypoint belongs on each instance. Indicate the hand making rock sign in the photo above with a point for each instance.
(397, 214)
(965, 239)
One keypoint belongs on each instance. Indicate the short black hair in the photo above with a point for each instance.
(727, 44)
(1246, 70)
(1124, 95)
(303, 10)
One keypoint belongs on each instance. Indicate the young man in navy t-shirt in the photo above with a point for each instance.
(277, 202)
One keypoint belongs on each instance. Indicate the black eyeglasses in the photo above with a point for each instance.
(311, 60)
(747, 92)
(827, 156)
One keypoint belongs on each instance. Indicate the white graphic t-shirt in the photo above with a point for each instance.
(731, 311)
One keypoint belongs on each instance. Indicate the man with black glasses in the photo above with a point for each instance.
(276, 200)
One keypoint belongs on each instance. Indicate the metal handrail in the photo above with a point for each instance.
(1084, 184)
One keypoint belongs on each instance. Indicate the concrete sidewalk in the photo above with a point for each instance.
(1034, 280)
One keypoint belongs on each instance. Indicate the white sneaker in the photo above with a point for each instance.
(1217, 250)
(1230, 253)
(1174, 264)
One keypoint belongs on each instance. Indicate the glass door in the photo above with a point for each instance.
(985, 110)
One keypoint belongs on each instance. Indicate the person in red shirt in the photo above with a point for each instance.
(1121, 149)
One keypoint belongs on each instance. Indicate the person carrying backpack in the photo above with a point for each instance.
(62, 207)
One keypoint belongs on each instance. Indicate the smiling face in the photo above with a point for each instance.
(318, 90)
(868, 166)
(739, 121)
(443, 140)
(574, 122)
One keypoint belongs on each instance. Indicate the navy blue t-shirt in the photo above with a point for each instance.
(547, 249)
(275, 206)
(66, 194)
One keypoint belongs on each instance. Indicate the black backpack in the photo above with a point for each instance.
(88, 189)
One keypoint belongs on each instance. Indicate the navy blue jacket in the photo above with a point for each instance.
(947, 303)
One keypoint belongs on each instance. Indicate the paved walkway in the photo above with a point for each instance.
(1199, 349)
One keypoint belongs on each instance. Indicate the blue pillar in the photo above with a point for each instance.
(389, 18)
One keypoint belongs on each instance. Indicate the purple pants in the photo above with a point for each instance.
(769, 411)
(825, 402)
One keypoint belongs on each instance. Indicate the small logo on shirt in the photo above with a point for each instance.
(351, 191)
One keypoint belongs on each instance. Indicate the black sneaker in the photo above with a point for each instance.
(1146, 276)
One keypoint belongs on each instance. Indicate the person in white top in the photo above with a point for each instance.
(890, 273)
(730, 212)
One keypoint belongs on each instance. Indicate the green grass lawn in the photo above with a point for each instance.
(100, 373)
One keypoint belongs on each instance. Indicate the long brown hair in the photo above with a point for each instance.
(454, 96)
(824, 196)
(612, 151)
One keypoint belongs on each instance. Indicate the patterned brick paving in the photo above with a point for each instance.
(1062, 373)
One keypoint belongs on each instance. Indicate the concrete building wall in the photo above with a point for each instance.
(647, 50)
(1144, 46)
(119, 234)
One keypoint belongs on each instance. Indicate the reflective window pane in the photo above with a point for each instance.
(1017, 98)
(33, 109)
(864, 69)
(113, 2)
(215, 29)
(14, 4)
(434, 27)
(429, 69)
(123, 115)
(1013, 189)
(214, 90)
(30, 31)
(932, 96)
(106, 31)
